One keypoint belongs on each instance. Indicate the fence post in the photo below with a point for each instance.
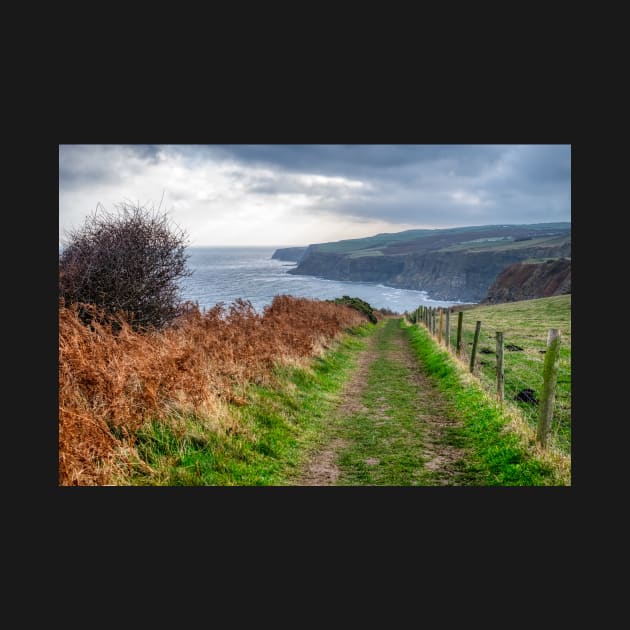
(447, 333)
(550, 377)
(460, 318)
(474, 348)
(440, 325)
(500, 374)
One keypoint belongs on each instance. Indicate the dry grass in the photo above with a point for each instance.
(112, 382)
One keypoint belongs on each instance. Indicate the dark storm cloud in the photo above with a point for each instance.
(410, 185)
(381, 160)
(423, 185)
(85, 165)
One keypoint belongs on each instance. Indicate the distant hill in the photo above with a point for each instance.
(450, 264)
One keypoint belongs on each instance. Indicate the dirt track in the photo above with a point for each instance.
(390, 398)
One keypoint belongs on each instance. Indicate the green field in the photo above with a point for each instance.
(463, 238)
(507, 244)
(524, 324)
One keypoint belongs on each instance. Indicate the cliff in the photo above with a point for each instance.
(465, 276)
(340, 267)
(528, 281)
(292, 254)
(449, 264)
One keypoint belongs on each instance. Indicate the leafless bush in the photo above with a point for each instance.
(125, 262)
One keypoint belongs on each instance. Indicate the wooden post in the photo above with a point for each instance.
(550, 377)
(440, 326)
(500, 375)
(460, 319)
(474, 348)
(447, 334)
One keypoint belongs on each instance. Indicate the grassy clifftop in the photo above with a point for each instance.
(484, 237)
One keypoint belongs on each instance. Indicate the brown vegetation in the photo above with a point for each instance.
(113, 379)
(530, 281)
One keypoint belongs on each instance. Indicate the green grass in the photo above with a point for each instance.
(377, 242)
(496, 456)
(279, 424)
(382, 443)
(504, 244)
(524, 324)
(381, 241)
(385, 441)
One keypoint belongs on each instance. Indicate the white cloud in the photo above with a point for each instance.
(466, 198)
(221, 198)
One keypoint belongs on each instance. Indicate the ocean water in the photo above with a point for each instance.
(223, 274)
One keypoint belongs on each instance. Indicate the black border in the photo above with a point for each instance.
(394, 118)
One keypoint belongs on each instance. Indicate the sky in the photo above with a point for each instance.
(291, 195)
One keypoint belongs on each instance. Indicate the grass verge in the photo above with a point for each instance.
(502, 448)
(274, 429)
(525, 325)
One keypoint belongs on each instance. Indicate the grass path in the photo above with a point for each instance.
(392, 426)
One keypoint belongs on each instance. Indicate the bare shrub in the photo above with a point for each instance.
(125, 262)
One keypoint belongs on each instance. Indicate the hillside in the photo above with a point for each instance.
(450, 264)
(531, 280)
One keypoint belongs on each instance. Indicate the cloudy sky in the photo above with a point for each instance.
(277, 195)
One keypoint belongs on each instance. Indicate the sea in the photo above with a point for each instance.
(223, 274)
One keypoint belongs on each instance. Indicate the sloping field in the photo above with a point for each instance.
(525, 325)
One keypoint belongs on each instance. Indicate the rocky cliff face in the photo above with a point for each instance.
(292, 254)
(463, 276)
(341, 267)
(527, 281)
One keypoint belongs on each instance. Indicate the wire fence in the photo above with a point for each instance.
(513, 368)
